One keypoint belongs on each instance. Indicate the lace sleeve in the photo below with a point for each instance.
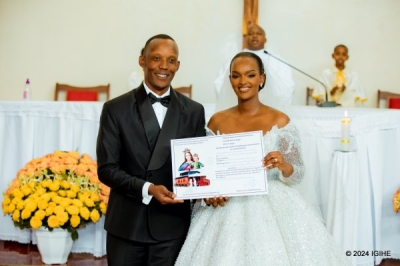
(290, 147)
(209, 132)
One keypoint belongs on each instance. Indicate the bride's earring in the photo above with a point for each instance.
(261, 85)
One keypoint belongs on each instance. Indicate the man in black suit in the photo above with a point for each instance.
(145, 225)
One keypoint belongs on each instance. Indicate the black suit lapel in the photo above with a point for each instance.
(169, 130)
(150, 123)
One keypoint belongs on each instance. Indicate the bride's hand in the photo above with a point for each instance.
(274, 159)
(216, 201)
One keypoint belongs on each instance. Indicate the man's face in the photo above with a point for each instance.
(255, 38)
(159, 63)
(340, 56)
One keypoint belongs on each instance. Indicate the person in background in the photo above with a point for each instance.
(145, 224)
(135, 78)
(344, 86)
(279, 87)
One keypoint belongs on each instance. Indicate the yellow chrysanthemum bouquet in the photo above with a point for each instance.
(396, 201)
(59, 190)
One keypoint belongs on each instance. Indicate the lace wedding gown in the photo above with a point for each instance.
(274, 229)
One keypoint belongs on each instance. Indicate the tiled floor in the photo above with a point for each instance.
(13, 253)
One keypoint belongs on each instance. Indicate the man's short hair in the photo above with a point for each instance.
(158, 36)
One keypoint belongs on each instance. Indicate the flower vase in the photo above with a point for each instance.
(54, 246)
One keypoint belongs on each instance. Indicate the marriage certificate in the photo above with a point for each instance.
(219, 165)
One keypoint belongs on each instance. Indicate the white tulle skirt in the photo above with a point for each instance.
(274, 229)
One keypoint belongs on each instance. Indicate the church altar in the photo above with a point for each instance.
(32, 129)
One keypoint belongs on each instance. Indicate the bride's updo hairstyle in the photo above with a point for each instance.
(258, 60)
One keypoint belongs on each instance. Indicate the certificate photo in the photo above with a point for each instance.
(219, 165)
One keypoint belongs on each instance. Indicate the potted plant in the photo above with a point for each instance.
(58, 192)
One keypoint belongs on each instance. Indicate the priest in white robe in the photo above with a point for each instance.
(279, 84)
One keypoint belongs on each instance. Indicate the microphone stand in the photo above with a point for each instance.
(324, 104)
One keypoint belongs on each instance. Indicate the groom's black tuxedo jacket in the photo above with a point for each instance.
(131, 149)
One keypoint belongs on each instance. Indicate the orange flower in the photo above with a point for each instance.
(75, 220)
(16, 215)
(104, 199)
(16, 183)
(80, 170)
(36, 222)
(94, 215)
(396, 201)
(53, 221)
(40, 214)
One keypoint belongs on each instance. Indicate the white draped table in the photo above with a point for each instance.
(32, 129)
(343, 206)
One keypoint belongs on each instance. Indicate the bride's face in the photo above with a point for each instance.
(245, 77)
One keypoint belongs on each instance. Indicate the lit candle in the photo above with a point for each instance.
(345, 136)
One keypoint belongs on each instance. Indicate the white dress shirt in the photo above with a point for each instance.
(160, 111)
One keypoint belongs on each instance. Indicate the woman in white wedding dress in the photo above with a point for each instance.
(274, 229)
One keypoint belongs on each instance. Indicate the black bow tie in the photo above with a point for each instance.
(164, 100)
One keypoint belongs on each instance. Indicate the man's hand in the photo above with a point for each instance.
(163, 195)
(333, 91)
(338, 88)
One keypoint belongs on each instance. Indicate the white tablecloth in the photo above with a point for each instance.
(32, 129)
(344, 205)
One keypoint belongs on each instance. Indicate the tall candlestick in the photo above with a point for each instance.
(345, 136)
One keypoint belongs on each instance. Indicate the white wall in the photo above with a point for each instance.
(92, 42)
(305, 33)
